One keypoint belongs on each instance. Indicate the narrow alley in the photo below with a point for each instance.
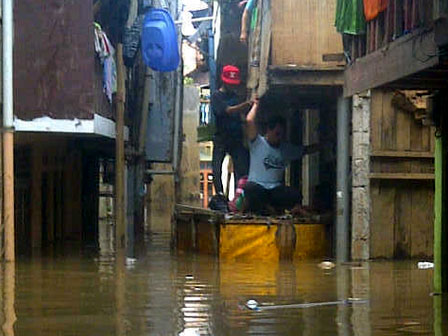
(224, 167)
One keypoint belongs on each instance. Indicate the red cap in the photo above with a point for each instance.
(231, 75)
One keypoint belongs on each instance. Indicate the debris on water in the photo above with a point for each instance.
(326, 265)
(130, 261)
(190, 332)
(425, 265)
(252, 304)
(189, 277)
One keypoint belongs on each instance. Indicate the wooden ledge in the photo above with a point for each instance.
(401, 176)
(403, 154)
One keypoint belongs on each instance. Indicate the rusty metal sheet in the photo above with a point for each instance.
(54, 59)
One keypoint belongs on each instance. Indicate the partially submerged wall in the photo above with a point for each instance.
(393, 180)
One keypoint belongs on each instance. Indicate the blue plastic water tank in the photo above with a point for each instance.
(159, 41)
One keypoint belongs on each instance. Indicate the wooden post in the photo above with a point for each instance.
(438, 223)
(9, 280)
(120, 230)
(8, 194)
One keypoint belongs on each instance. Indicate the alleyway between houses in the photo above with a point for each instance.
(88, 293)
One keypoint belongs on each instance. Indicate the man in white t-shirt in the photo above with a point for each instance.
(269, 156)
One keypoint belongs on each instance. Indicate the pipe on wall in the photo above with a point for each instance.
(342, 175)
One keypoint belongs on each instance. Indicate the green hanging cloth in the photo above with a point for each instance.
(350, 17)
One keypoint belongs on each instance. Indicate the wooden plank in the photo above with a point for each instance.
(308, 78)
(401, 176)
(403, 222)
(403, 154)
(416, 135)
(181, 208)
(266, 33)
(375, 120)
(403, 130)
(383, 219)
(388, 140)
(422, 232)
(50, 206)
(298, 37)
(36, 197)
(384, 66)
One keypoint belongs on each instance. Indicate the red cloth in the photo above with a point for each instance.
(373, 7)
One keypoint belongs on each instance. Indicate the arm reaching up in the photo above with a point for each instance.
(245, 20)
(252, 131)
(244, 28)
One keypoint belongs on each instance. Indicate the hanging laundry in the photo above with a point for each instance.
(373, 7)
(109, 77)
(350, 17)
(106, 54)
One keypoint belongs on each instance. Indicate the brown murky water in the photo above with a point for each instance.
(165, 294)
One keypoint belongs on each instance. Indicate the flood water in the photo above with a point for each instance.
(74, 293)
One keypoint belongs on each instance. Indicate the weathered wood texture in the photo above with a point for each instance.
(402, 58)
(402, 188)
(303, 33)
(50, 208)
(160, 201)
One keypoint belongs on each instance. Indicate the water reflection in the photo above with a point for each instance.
(169, 294)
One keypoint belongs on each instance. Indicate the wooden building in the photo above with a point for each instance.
(403, 50)
(297, 56)
(66, 113)
(294, 61)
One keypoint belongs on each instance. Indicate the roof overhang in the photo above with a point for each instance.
(292, 75)
(395, 63)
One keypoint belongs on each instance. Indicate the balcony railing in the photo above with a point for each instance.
(401, 17)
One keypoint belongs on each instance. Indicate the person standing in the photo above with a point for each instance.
(228, 138)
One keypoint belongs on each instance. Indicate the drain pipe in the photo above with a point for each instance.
(8, 131)
(342, 185)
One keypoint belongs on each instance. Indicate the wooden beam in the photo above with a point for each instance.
(403, 154)
(401, 176)
(405, 56)
(306, 77)
(265, 47)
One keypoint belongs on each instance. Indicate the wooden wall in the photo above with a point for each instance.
(48, 174)
(402, 181)
(303, 31)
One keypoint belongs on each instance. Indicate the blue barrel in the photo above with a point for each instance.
(159, 41)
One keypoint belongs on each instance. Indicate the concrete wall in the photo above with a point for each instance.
(162, 191)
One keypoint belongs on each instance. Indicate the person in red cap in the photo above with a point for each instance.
(228, 138)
